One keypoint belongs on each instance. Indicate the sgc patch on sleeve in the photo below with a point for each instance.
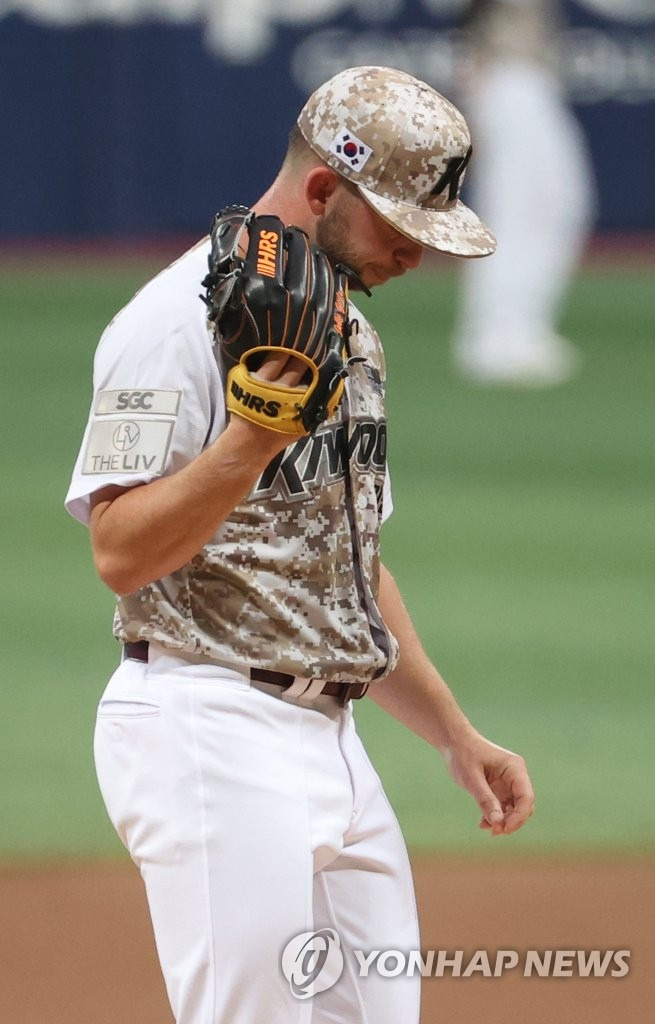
(152, 402)
(135, 445)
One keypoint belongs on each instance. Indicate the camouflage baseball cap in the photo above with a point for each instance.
(406, 148)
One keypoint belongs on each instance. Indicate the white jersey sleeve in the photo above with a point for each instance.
(158, 397)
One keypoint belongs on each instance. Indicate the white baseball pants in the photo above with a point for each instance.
(252, 820)
(532, 182)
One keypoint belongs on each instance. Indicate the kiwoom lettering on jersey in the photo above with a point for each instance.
(255, 402)
(320, 459)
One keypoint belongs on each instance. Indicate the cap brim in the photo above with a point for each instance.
(457, 232)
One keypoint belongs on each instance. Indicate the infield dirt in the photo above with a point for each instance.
(76, 945)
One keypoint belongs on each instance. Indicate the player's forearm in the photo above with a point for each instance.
(415, 693)
(150, 531)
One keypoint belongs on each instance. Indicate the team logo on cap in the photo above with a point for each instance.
(455, 168)
(350, 150)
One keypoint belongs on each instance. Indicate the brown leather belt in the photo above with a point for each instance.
(137, 650)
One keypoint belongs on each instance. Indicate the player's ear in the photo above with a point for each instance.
(320, 183)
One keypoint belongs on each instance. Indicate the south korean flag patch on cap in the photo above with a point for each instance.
(350, 150)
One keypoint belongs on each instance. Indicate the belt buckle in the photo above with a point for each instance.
(308, 688)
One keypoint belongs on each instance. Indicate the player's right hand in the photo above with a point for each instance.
(280, 368)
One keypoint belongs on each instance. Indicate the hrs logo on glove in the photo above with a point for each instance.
(270, 290)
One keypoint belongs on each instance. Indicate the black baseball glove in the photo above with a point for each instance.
(269, 290)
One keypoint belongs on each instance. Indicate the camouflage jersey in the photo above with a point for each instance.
(290, 580)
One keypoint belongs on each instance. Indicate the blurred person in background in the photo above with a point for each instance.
(532, 181)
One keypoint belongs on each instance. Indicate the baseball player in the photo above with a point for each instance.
(534, 181)
(234, 478)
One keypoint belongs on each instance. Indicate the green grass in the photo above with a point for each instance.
(522, 541)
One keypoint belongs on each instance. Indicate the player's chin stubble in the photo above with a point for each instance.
(333, 237)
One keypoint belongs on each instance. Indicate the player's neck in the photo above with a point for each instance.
(281, 200)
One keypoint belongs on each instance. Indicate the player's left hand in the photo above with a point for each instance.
(497, 779)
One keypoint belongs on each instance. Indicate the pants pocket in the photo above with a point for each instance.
(128, 707)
